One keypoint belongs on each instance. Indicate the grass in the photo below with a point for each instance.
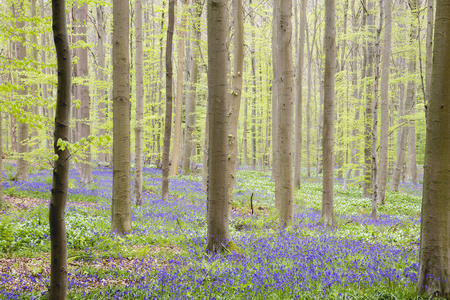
(164, 256)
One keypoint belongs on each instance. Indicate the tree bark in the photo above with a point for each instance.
(434, 256)
(299, 97)
(121, 198)
(275, 92)
(102, 107)
(83, 89)
(284, 185)
(169, 96)
(218, 235)
(429, 48)
(22, 164)
(138, 130)
(235, 96)
(384, 107)
(189, 144)
(179, 93)
(60, 185)
(328, 112)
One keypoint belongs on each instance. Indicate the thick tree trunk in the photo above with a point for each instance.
(179, 93)
(83, 89)
(139, 139)
(235, 96)
(328, 112)
(434, 257)
(58, 236)
(299, 97)
(121, 198)
(218, 235)
(284, 185)
(169, 96)
(22, 164)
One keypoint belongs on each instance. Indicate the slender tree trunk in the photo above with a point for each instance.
(245, 128)
(218, 235)
(169, 95)
(189, 144)
(429, 46)
(139, 138)
(328, 112)
(299, 97)
(235, 96)
(434, 256)
(83, 89)
(101, 34)
(275, 92)
(368, 117)
(179, 93)
(384, 109)
(34, 87)
(121, 198)
(205, 155)
(58, 236)
(160, 88)
(22, 164)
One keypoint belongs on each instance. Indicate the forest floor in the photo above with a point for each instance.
(164, 256)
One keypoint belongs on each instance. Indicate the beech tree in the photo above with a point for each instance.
(60, 183)
(169, 96)
(328, 112)
(434, 256)
(121, 194)
(138, 150)
(218, 235)
(284, 185)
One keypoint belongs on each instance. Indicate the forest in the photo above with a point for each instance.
(241, 149)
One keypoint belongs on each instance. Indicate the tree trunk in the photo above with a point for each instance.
(429, 47)
(169, 95)
(368, 117)
(284, 185)
(235, 96)
(189, 144)
(384, 107)
(328, 112)
(434, 256)
(60, 185)
(275, 92)
(1, 163)
(22, 164)
(299, 98)
(139, 139)
(218, 235)
(101, 34)
(34, 87)
(179, 94)
(121, 198)
(83, 89)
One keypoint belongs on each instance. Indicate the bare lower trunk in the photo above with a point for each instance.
(60, 185)
(121, 195)
(139, 140)
(101, 68)
(169, 96)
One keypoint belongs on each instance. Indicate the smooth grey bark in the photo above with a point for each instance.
(121, 194)
(368, 117)
(384, 107)
(299, 97)
(218, 235)
(235, 96)
(284, 185)
(328, 113)
(138, 130)
(83, 90)
(34, 87)
(102, 107)
(169, 96)
(275, 92)
(189, 144)
(179, 91)
(22, 148)
(60, 182)
(434, 255)
(429, 48)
